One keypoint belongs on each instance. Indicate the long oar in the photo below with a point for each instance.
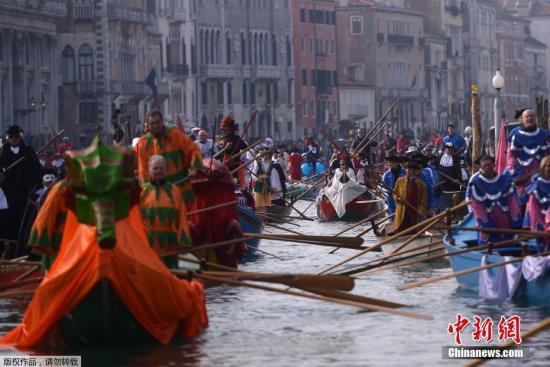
(203, 210)
(397, 235)
(369, 307)
(362, 233)
(499, 230)
(414, 237)
(377, 224)
(438, 278)
(360, 222)
(270, 218)
(305, 181)
(362, 143)
(539, 327)
(349, 241)
(341, 283)
(284, 229)
(275, 237)
(374, 268)
(309, 189)
(245, 150)
(454, 180)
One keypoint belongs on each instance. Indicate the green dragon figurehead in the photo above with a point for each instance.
(102, 181)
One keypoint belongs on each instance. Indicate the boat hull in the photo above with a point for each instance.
(533, 292)
(354, 210)
(250, 223)
(421, 242)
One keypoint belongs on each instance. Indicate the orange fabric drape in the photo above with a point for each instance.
(159, 301)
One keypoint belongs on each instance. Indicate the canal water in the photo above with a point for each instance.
(255, 328)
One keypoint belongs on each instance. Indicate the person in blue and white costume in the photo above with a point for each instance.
(528, 145)
(538, 204)
(389, 178)
(459, 144)
(494, 201)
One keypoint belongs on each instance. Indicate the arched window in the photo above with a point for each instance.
(85, 63)
(243, 50)
(68, 65)
(228, 48)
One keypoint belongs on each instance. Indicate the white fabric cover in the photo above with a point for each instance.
(340, 194)
(504, 284)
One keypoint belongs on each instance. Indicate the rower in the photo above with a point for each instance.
(528, 145)
(163, 213)
(233, 145)
(268, 183)
(495, 202)
(537, 215)
(389, 178)
(411, 188)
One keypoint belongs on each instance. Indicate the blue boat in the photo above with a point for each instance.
(250, 223)
(536, 291)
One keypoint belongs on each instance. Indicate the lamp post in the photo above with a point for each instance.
(498, 83)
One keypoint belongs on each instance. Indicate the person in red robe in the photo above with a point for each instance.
(295, 161)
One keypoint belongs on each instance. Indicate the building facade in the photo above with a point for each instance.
(436, 81)
(314, 39)
(28, 66)
(356, 78)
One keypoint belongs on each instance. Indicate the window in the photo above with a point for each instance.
(304, 77)
(289, 51)
(356, 25)
(289, 91)
(303, 15)
(229, 93)
(304, 107)
(245, 92)
(275, 93)
(252, 93)
(67, 65)
(219, 88)
(228, 48)
(204, 93)
(87, 112)
(243, 49)
(85, 63)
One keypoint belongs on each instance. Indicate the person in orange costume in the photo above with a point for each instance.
(163, 213)
(411, 188)
(104, 241)
(182, 155)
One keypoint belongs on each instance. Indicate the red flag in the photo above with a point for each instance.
(501, 149)
(179, 123)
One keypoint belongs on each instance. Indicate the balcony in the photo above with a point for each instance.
(85, 88)
(126, 14)
(217, 71)
(380, 37)
(357, 110)
(400, 40)
(57, 8)
(83, 11)
(453, 10)
(179, 69)
(265, 72)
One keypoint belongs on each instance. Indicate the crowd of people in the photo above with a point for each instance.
(419, 177)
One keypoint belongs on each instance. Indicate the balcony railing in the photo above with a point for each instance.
(265, 72)
(128, 14)
(218, 71)
(85, 88)
(83, 11)
(399, 39)
(180, 69)
(51, 7)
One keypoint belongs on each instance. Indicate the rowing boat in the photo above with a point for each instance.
(535, 291)
(355, 211)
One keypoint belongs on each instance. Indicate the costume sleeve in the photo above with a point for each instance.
(191, 152)
(512, 159)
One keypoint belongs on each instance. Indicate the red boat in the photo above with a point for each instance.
(355, 210)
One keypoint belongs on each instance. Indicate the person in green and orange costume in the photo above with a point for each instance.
(182, 155)
(163, 213)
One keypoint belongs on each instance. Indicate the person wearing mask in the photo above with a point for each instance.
(22, 174)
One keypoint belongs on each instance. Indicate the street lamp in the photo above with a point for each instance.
(498, 83)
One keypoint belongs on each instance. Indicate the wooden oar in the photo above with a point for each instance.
(360, 222)
(245, 131)
(454, 180)
(499, 230)
(187, 250)
(369, 201)
(264, 252)
(222, 151)
(350, 241)
(275, 237)
(245, 150)
(539, 327)
(309, 189)
(269, 218)
(330, 282)
(362, 143)
(353, 297)
(375, 269)
(255, 158)
(284, 229)
(397, 235)
(438, 278)
(415, 236)
(369, 307)
(26, 274)
(203, 210)
(361, 234)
